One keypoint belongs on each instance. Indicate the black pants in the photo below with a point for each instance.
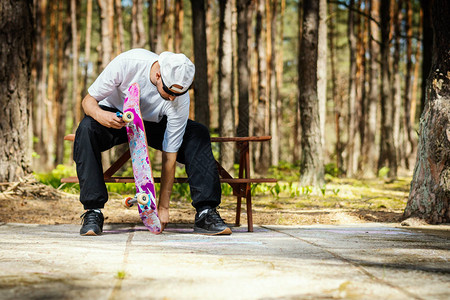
(195, 153)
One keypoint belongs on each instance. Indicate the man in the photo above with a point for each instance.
(164, 81)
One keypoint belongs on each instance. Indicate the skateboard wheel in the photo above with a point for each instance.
(128, 117)
(142, 199)
(127, 202)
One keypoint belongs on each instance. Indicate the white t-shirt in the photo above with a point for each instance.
(112, 84)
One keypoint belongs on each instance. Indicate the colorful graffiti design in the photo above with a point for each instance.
(142, 169)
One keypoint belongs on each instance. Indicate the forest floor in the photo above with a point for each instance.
(343, 201)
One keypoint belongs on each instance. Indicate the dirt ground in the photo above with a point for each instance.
(32, 202)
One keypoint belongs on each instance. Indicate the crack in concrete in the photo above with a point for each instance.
(118, 284)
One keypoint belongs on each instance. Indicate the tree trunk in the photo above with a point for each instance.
(253, 71)
(415, 84)
(169, 25)
(75, 61)
(243, 72)
(311, 168)
(427, 43)
(261, 154)
(322, 67)
(409, 120)
(120, 46)
(137, 25)
(87, 55)
(179, 22)
(430, 188)
(201, 88)
(297, 137)
(106, 31)
(225, 80)
(388, 155)
(106, 53)
(273, 91)
(352, 145)
(16, 40)
(40, 103)
(50, 132)
(284, 155)
(151, 26)
(336, 97)
(362, 78)
(396, 86)
(64, 40)
(370, 151)
(158, 28)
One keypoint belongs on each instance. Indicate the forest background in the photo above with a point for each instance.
(77, 39)
(339, 85)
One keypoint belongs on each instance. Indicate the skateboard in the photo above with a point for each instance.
(145, 197)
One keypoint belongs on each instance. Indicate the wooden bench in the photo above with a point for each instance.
(241, 185)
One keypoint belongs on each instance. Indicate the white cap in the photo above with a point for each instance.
(177, 69)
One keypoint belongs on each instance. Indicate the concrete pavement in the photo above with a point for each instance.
(363, 261)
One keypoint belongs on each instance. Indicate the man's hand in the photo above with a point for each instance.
(167, 176)
(163, 214)
(106, 118)
(109, 119)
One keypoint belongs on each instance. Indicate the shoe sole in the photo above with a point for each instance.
(204, 232)
(90, 233)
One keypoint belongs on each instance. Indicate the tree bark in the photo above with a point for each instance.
(272, 12)
(106, 16)
(352, 145)
(243, 72)
(311, 168)
(211, 9)
(151, 26)
(16, 40)
(120, 42)
(179, 22)
(62, 100)
(409, 120)
(388, 155)
(87, 55)
(334, 83)
(160, 18)
(322, 67)
(137, 25)
(261, 126)
(75, 54)
(361, 79)
(201, 88)
(396, 86)
(427, 43)
(40, 103)
(50, 132)
(416, 80)
(430, 188)
(169, 25)
(225, 80)
(370, 149)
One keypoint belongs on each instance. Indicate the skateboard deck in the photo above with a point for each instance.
(145, 185)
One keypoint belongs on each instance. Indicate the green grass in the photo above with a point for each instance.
(375, 194)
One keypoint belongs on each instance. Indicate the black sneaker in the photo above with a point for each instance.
(92, 222)
(209, 222)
